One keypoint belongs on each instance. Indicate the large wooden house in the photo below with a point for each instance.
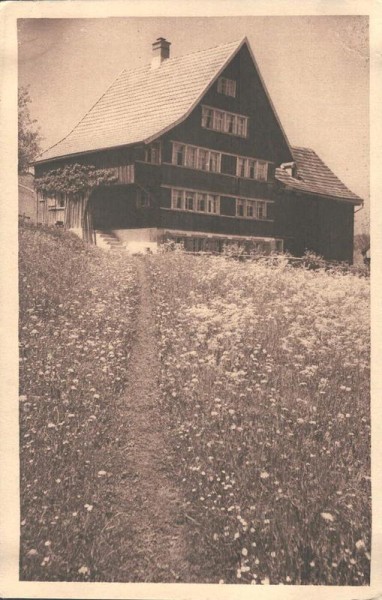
(201, 158)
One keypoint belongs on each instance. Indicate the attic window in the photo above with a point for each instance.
(225, 122)
(227, 87)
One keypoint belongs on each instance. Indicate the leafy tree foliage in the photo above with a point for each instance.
(29, 134)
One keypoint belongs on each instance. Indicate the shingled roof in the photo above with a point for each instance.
(143, 103)
(314, 177)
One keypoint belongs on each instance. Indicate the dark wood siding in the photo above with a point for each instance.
(192, 221)
(214, 182)
(304, 222)
(117, 159)
(115, 208)
(264, 140)
(321, 225)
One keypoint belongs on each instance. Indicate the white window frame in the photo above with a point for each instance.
(260, 168)
(259, 209)
(230, 121)
(178, 149)
(207, 114)
(227, 86)
(196, 157)
(188, 194)
(202, 202)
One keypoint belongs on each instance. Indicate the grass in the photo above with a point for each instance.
(265, 379)
(77, 310)
(265, 374)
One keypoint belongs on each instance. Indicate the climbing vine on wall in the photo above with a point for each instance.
(73, 180)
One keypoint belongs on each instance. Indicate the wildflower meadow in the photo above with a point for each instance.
(262, 377)
(265, 371)
(76, 328)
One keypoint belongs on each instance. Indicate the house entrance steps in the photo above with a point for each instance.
(108, 241)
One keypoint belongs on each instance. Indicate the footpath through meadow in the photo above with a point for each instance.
(154, 547)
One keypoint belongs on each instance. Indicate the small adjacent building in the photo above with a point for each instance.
(27, 198)
(200, 157)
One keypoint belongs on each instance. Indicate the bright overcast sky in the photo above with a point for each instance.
(316, 70)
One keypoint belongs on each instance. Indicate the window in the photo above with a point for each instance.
(215, 162)
(203, 159)
(61, 201)
(262, 171)
(195, 201)
(192, 157)
(261, 210)
(240, 204)
(177, 199)
(207, 117)
(241, 167)
(55, 202)
(227, 86)
(241, 126)
(254, 169)
(224, 121)
(212, 204)
(252, 209)
(152, 153)
(195, 158)
(218, 120)
(201, 202)
(251, 169)
(229, 124)
(178, 154)
(190, 201)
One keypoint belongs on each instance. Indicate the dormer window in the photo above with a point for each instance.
(227, 87)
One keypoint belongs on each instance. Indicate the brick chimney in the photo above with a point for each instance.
(161, 51)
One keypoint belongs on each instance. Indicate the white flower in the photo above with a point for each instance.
(360, 545)
(83, 570)
(327, 516)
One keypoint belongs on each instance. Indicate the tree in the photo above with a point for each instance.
(29, 134)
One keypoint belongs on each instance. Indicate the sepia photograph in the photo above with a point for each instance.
(194, 300)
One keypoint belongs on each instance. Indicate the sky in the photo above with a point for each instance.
(316, 69)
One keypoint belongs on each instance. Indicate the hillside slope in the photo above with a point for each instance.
(77, 308)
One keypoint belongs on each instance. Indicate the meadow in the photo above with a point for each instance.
(265, 371)
(264, 378)
(77, 309)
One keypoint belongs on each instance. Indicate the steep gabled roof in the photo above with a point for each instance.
(143, 103)
(314, 177)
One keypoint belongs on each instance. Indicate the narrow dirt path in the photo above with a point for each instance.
(153, 545)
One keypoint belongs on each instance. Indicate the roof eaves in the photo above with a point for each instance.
(196, 102)
(93, 151)
(356, 200)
